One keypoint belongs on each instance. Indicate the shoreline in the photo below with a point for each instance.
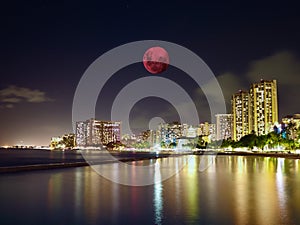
(47, 166)
(256, 154)
(135, 157)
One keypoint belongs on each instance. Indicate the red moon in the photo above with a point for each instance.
(156, 60)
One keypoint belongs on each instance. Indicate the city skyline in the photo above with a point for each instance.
(254, 113)
(238, 123)
(44, 57)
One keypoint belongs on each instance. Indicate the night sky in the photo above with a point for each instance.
(46, 46)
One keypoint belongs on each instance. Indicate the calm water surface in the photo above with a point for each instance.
(233, 190)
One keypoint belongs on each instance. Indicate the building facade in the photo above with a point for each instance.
(94, 132)
(207, 129)
(263, 106)
(170, 132)
(81, 133)
(223, 126)
(241, 115)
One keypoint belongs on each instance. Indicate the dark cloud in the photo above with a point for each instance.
(283, 66)
(6, 106)
(229, 84)
(13, 95)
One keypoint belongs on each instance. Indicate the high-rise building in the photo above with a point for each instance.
(263, 106)
(212, 131)
(223, 126)
(241, 117)
(255, 111)
(94, 132)
(81, 133)
(110, 131)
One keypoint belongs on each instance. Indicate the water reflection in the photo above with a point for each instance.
(192, 188)
(78, 194)
(233, 190)
(280, 185)
(54, 190)
(158, 196)
(137, 173)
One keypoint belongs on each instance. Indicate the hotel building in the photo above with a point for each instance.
(263, 106)
(241, 115)
(94, 132)
(255, 111)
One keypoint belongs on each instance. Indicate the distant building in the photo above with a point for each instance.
(62, 142)
(241, 115)
(154, 138)
(292, 119)
(94, 132)
(189, 132)
(223, 126)
(292, 122)
(145, 135)
(56, 143)
(170, 132)
(203, 129)
(129, 140)
(207, 129)
(81, 133)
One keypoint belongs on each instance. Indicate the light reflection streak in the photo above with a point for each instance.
(242, 191)
(266, 199)
(78, 191)
(115, 196)
(158, 195)
(211, 190)
(177, 190)
(280, 185)
(54, 190)
(240, 164)
(91, 190)
(192, 187)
